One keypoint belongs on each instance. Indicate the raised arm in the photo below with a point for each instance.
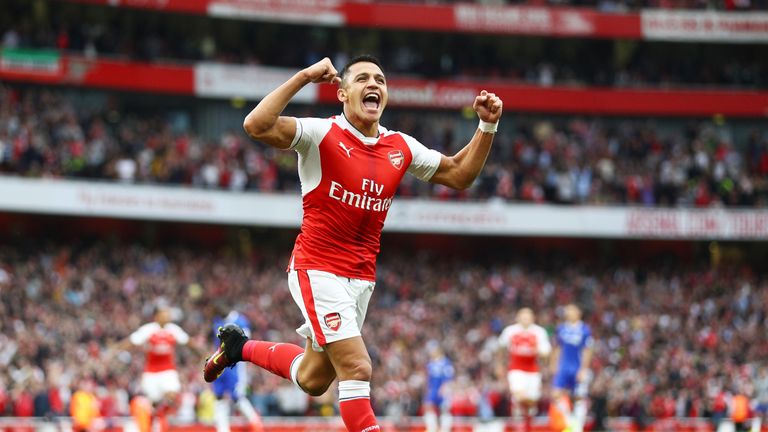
(264, 123)
(460, 170)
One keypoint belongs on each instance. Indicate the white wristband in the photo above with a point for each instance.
(488, 127)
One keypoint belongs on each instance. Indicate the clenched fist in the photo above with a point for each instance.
(488, 107)
(322, 72)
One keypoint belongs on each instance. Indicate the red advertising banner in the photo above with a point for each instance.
(470, 18)
(522, 20)
(528, 98)
(119, 75)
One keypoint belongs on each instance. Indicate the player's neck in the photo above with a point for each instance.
(370, 130)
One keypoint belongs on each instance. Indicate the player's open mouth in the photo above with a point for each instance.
(371, 101)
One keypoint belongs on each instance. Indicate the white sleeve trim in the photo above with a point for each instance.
(297, 136)
(424, 162)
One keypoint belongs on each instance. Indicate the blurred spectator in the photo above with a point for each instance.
(84, 407)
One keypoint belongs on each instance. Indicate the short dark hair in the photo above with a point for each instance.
(362, 58)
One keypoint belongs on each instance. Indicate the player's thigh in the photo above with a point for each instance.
(361, 291)
(170, 383)
(350, 359)
(156, 385)
(532, 386)
(516, 381)
(329, 308)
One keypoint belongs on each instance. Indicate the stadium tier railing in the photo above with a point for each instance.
(224, 81)
(494, 217)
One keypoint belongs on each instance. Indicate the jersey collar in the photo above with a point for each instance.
(343, 122)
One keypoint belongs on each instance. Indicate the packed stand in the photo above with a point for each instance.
(670, 341)
(576, 161)
(145, 36)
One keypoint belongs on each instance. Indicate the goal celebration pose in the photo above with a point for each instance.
(350, 168)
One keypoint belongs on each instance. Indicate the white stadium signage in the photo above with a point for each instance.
(406, 215)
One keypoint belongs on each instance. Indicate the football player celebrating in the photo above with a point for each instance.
(350, 167)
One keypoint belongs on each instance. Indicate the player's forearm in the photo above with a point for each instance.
(264, 116)
(470, 160)
(586, 358)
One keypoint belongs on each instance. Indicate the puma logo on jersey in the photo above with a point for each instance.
(348, 150)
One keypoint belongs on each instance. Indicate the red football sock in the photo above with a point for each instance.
(355, 406)
(274, 357)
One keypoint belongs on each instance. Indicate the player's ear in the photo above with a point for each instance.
(341, 93)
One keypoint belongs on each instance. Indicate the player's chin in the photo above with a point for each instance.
(371, 115)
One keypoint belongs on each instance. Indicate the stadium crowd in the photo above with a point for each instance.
(568, 161)
(158, 37)
(670, 340)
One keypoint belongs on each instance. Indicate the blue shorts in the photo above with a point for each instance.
(228, 384)
(435, 399)
(565, 380)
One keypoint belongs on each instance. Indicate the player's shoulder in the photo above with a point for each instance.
(313, 128)
(408, 139)
(149, 327)
(513, 328)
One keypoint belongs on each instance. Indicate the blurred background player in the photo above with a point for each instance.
(440, 374)
(160, 381)
(231, 384)
(570, 361)
(525, 342)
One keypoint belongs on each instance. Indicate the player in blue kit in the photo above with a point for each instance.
(440, 373)
(570, 360)
(230, 386)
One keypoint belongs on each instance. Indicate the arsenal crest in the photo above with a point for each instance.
(396, 158)
(333, 321)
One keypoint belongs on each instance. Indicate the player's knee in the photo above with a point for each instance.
(314, 386)
(355, 369)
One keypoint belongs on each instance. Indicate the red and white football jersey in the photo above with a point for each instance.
(160, 345)
(525, 345)
(348, 182)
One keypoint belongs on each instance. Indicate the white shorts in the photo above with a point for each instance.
(334, 307)
(156, 385)
(524, 385)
